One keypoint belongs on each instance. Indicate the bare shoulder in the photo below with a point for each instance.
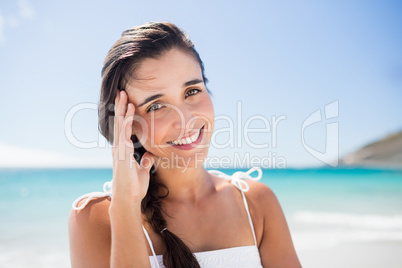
(259, 190)
(262, 197)
(96, 208)
(95, 213)
(263, 205)
(89, 234)
(274, 239)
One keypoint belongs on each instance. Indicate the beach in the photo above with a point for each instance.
(337, 217)
(364, 254)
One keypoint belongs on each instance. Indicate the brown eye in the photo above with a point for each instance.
(192, 91)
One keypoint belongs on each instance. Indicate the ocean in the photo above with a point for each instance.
(328, 211)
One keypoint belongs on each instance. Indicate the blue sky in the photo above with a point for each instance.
(281, 59)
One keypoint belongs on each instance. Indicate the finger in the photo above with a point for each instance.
(147, 161)
(116, 121)
(128, 122)
(115, 131)
(125, 144)
(127, 116)
(120, 113)
(122, 109)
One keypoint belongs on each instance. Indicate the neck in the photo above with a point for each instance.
(185, 184)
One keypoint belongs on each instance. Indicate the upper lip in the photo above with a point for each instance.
(187, 135)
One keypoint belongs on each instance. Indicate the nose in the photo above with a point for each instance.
(184, 119)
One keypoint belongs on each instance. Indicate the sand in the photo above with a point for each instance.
(386, 254)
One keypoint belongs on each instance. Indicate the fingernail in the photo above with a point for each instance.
(144, 162)
(121, 93)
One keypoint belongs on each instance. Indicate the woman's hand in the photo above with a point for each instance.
(130, 179)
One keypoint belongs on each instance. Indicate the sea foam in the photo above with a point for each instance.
(316, 230)
(352, 220)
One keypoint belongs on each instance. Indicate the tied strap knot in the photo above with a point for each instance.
(107, 191)
(237, 178)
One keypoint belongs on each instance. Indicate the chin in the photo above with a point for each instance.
(181, 160)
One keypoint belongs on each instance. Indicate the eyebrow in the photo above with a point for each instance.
(156, 96)
(151, 98)
(193, 82)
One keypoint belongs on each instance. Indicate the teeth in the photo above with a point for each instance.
(187, 140)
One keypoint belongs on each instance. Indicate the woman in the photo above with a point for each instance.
(165, 209)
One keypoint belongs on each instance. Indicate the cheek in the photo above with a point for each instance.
(140, 128)
(157, 130)
(206, 110)
(151, 132)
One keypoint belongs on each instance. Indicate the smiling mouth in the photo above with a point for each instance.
(186, 141)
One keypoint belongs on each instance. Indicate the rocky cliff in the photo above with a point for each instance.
(386, 153)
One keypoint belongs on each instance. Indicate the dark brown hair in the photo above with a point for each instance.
(150, 40)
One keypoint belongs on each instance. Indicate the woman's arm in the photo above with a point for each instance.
(276, 246)
(107, 234)
(112, 236)
(130, 185)
(128, 241)
(89, 235)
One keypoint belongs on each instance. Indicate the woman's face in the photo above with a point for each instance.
(172, 107)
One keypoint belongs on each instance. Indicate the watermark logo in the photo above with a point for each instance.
(331, 152)
(237, 136)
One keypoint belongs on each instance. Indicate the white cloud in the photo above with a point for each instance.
(26, 12)
(13, 156)
(26, 9)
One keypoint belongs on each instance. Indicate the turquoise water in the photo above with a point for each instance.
(323, 207)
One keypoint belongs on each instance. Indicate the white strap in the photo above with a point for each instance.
(249, 217)
(107, 191)
(150, 245)
(237, 179)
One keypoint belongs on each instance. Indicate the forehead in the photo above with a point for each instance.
(163, 74)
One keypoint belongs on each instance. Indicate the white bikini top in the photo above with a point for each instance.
(244, 256)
